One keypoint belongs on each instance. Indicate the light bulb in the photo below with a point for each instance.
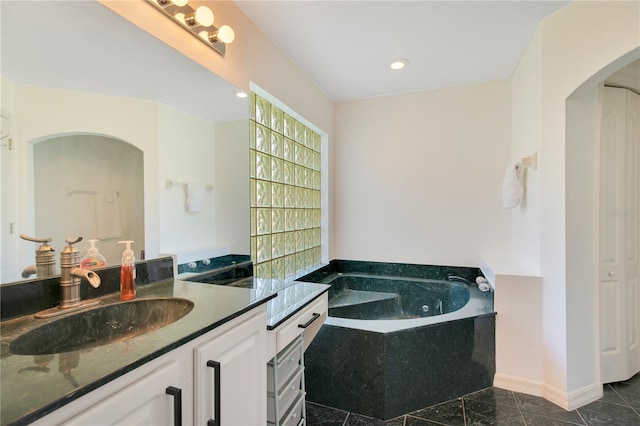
(180, 2)
(204, 16)
(180, 17)
(398, 64)
(226, 34)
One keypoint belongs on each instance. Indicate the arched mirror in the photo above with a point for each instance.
(106, 203)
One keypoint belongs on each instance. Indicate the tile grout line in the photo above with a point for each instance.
(581, 417)
(619, 396)
(428, 420)
(464, 411)
(345, 419)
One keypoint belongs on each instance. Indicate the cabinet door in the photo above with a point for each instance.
(145, 402)
(233, 365)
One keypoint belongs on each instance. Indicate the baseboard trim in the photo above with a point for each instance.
(570, 401)
(585, 396)
(576, 399)
(518, 384)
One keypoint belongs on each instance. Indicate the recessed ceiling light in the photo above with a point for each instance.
(241, 94)
(398, 64)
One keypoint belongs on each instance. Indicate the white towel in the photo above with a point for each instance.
(108, 215)
(195, 196)
(512, 188)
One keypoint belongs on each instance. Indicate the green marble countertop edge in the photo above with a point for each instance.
(32, 386)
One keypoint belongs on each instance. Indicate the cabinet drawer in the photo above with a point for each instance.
(283, 366)
(285, 397)
(295, 416)
(312, 317)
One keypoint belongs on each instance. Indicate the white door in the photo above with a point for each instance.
(619, 235)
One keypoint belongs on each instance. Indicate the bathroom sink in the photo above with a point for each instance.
(101, 326)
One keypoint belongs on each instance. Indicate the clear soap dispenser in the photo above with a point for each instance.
(93, 259)
(127, 273)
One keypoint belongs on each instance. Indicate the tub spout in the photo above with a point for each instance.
(459, 279)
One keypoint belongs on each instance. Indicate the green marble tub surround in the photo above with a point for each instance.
(400, 337)
(406, 270)
(36, 384)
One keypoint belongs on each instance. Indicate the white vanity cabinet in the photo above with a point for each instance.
(154, 393)
(307, 322)
(285, 371)
(156, 399)
(229, 376)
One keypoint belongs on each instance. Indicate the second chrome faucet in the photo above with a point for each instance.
(70, 279)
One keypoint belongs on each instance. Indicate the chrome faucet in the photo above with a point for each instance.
(70, 278)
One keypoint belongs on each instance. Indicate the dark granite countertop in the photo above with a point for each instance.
(292, 296)
(33, 385)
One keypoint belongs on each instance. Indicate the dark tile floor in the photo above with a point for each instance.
(620, 406)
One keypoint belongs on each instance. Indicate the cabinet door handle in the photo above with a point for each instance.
(176, 393)
(314, 317)
(216, 389)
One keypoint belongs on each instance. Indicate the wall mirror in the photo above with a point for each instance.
(102, 125)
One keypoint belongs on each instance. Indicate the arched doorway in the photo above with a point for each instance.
(91, 186)
(585, 206)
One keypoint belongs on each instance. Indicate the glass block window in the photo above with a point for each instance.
(285, 192)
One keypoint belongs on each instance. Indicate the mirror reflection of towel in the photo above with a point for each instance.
(195, 196)
(108, 215)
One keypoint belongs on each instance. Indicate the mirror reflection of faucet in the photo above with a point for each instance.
(67, 364)
(45, 259)
(71, 276)
(41, 364)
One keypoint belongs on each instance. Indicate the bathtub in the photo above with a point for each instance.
(400, 337)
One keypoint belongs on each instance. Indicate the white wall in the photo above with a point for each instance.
(525, 139)
(419, 176)
(582, 164)
(232, 189)
(573, 45)
(186, 146)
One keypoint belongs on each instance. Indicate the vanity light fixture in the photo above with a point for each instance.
(198, 22)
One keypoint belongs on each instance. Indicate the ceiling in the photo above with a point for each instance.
(345, 47)
(84, 46)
